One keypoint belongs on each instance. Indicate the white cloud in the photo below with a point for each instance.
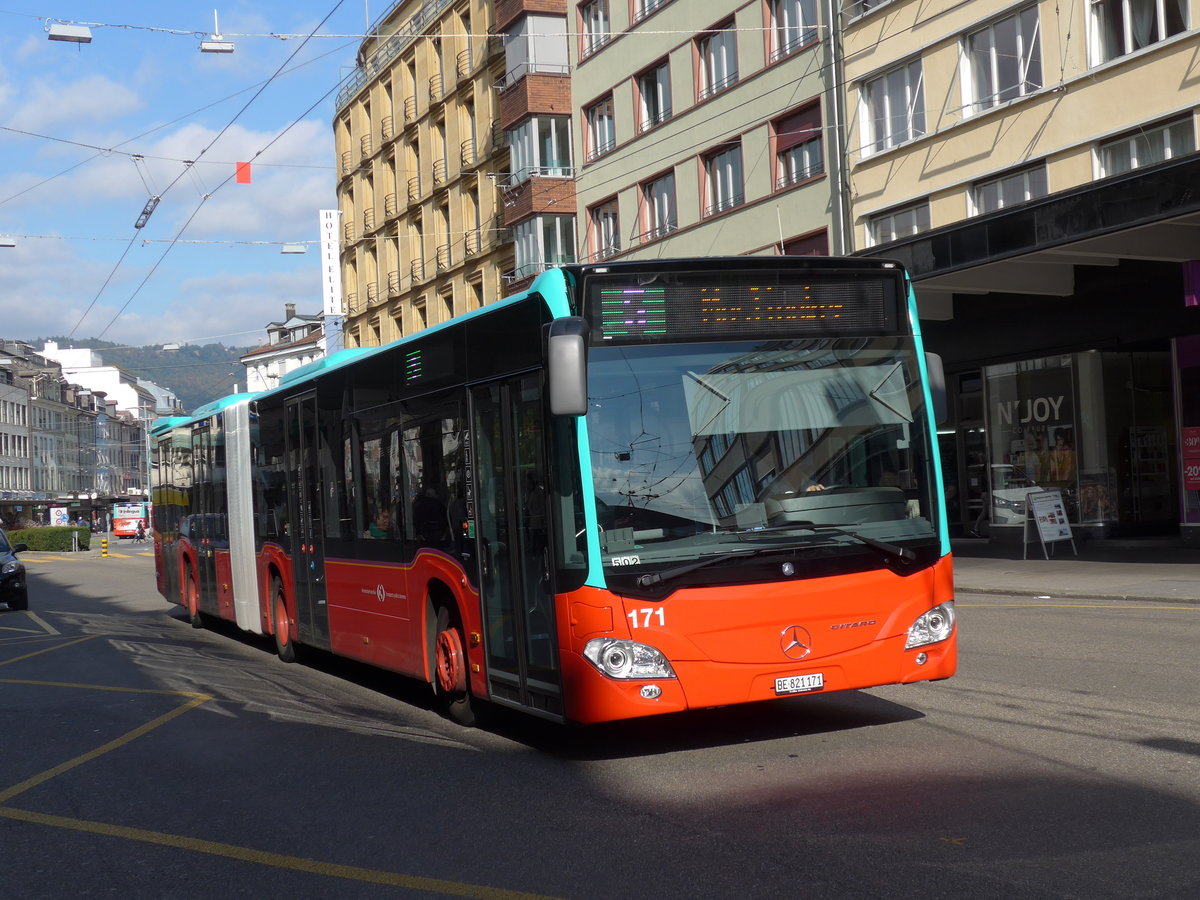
(48, 106)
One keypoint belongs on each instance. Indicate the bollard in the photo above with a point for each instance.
(104, 547)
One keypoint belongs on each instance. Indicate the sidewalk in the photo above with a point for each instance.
(1113, 569)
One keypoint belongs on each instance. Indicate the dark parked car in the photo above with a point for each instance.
(13, 589)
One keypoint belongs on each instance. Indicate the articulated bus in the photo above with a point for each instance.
(636, 488)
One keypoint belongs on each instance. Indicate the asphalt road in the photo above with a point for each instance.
(143, 758)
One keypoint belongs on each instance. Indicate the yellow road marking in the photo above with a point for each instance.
(48, 649)
(215, 848)
(278, 860)
(37, 559)
(41, 778)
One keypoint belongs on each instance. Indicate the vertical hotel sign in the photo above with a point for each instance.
(331, 266)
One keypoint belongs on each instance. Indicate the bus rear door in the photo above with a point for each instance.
(509, 448)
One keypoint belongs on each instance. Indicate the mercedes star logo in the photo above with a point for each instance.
(795, 642)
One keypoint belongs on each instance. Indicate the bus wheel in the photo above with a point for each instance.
(451, 671)
(284, 645)
(193, 601)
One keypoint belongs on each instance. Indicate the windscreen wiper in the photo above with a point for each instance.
(882, 546)
(652, 578)
(895, 550)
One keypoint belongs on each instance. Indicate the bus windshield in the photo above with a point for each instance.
(717, 447)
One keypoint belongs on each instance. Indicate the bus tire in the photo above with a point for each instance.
(193, 599)
(281, 626)
(450, 670)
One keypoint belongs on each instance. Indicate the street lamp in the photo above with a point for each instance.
(74, 34)
(216, 43)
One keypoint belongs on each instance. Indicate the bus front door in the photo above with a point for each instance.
(511, 512)
(304, 500)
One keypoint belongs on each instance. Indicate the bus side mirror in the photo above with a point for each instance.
(937, 386)
(566, 366)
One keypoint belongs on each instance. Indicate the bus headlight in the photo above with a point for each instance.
(931, 627)
(627, 659)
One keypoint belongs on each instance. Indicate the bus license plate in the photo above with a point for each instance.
(799, 684)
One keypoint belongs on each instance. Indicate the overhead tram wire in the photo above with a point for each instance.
(203, 199)
(176, 239)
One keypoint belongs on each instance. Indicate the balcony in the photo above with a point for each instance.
(346, 164)
(414, 189)
(417, 270)
(444, 258)
(717, 86)
(393, 283)
(351, 303)
(439, 171)
(467, 156)
(724, 204)
(472, 242)
(348, 232)
(410, 109)
(386, 128)
(437, 89)
(368, 219)
(390, 208)
(364, 145)
(372, 292)
(464, 63)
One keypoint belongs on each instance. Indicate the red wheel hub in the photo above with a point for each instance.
(451, 670)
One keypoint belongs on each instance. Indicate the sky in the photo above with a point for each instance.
(90, 132)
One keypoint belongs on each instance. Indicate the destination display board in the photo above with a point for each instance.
(706, 305)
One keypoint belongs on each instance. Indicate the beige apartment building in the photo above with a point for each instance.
(1034, 166)
(423, 237)
(705, 128)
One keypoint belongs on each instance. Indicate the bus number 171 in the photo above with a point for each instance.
(646, 616)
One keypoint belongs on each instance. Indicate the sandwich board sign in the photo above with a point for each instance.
(1046, 513)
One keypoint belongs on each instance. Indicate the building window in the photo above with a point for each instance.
(654, 96)
(543, 241)
(604, 238)
(898, 223)
(894, 105)
(541, 146)
(793, 25)
(798, 146)
(1123, 26)
(809, 245)
(658, 207)
(857, 8)
(643, 8)
(723, 179)
(717, 52)
(601, 134)
(1146, 146)
(596, 28)
(1004, 61)
(1009, 189)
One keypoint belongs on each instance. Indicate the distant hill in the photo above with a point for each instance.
(196, 373)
